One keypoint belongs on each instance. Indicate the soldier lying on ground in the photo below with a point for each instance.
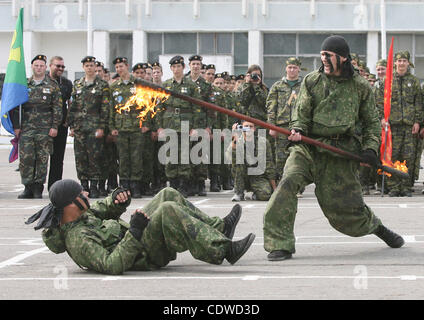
(97, 239)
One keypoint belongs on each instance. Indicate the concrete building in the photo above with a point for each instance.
(232, 34)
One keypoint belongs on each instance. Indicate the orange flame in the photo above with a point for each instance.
(144, 99)
(401, 166)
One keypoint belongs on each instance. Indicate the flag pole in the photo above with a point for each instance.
(384, 157)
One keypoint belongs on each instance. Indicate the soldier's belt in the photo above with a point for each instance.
(336, 137)
(37, 109)
(179, 110)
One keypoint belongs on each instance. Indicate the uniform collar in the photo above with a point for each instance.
(32, 81)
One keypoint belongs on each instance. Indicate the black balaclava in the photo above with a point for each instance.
(61, 194)
(339, 46)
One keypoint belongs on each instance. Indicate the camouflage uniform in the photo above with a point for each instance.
(42, 112)
(176, 111)
(406, 109)
(328, 109)
(280, 104)
(130, 139)
(88, 113)
(100, 241)
(259, 184)
(252, 98)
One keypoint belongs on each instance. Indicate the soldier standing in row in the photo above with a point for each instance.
(41, 115)
(280, 105)
(380, 68)
(126, 127)
(177, 111)
(87, 120)
(210, 73)
(406, 116)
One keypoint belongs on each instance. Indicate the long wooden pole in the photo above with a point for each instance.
(263, 124)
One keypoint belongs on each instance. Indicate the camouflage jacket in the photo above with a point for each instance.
(217, 120)
(234, 105)
(177, 110)
(43, 110)
(126, 121)
(252, 98)
(90, 105)
(331, 109)
(406, 104)
(270, 172)
(98, 240)
(281, 101)
(205, 92)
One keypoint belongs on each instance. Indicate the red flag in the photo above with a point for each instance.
(386, 137)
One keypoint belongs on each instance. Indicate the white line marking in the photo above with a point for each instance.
(248, 206)
(403, 205)
(200, 201)
(408, 277)
(21, 257)
(409, 239)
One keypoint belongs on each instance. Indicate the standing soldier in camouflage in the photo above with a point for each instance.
(210, 73)
(239, 82)
(41, 115)
(216, 120)
(330, 116)
(380, 68)
(97, 239)
(263, 184)
(126, 127)
(199, 171)
(87, 119)
(406, 116)
(176, 111)
(138, 71)
(149, 72)
(280, 105)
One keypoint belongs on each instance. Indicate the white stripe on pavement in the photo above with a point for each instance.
(18, 258)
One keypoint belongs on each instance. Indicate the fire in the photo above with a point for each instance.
(401, 166)
(144, 99)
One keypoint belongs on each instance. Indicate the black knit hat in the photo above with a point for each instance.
(336, 44)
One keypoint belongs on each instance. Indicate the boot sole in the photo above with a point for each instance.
(246, 247)
(286, 257)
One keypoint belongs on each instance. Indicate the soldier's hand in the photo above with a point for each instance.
(99, 133)
(295, 136)
(415, 128)
(273, 133)
(160, 133)
(121, 196)
(144, 129)
(53, 132)
(114, 132)
(139, 221)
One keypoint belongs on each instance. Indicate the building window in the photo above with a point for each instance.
(121, 45)
(306, 46)
(205, 43)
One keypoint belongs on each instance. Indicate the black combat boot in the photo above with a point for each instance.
(231, 220)
(201, 191)
(145, 189)
(94, 192)
(84, 184)
(37, 190)
(102, 188)
(27, 193)
(214, 184)
(238, 248)
(392, 239)
(135, 189)
(279, 255)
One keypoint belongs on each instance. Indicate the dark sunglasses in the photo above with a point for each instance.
(60, 66)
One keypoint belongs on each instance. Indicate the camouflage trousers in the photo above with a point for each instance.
(88, 152)
(259, 184)
(35, 148)
(176, 225)
(404, 146)
(110, 160)
(338, 191)
(148, 157)
(159, 175)
(178, 170)
(221, 170)
(130, 148)
(281, 153)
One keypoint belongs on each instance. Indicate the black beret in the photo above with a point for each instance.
(100, 64)
(233, 77)
(156, 64)
(88, 59)
(138, 66)
(240, 77)
(210, 66)
(39, 57)
(204, 66)
(195, 58)
(119, 60)
(176, 60)
(219, 75)
(147, 65)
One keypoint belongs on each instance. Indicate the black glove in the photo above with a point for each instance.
(369, 156)
(118, 191)
(138, 223)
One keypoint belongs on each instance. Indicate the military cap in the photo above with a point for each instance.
(195, 58)
(147, 65)
(88, 59)
(218, 75)
(381, 62)
(362, 64)
(355, 57)
(137, 66)
(204, 66)
(367, 70)
(100, 64)
(372, 76)
(119, 60)
(240, 77)
(156, 64)
(39, 57)
(404, 55)
(233, 77)
(210, 66)
(224, 74)
(176, 60)
(293, 60)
